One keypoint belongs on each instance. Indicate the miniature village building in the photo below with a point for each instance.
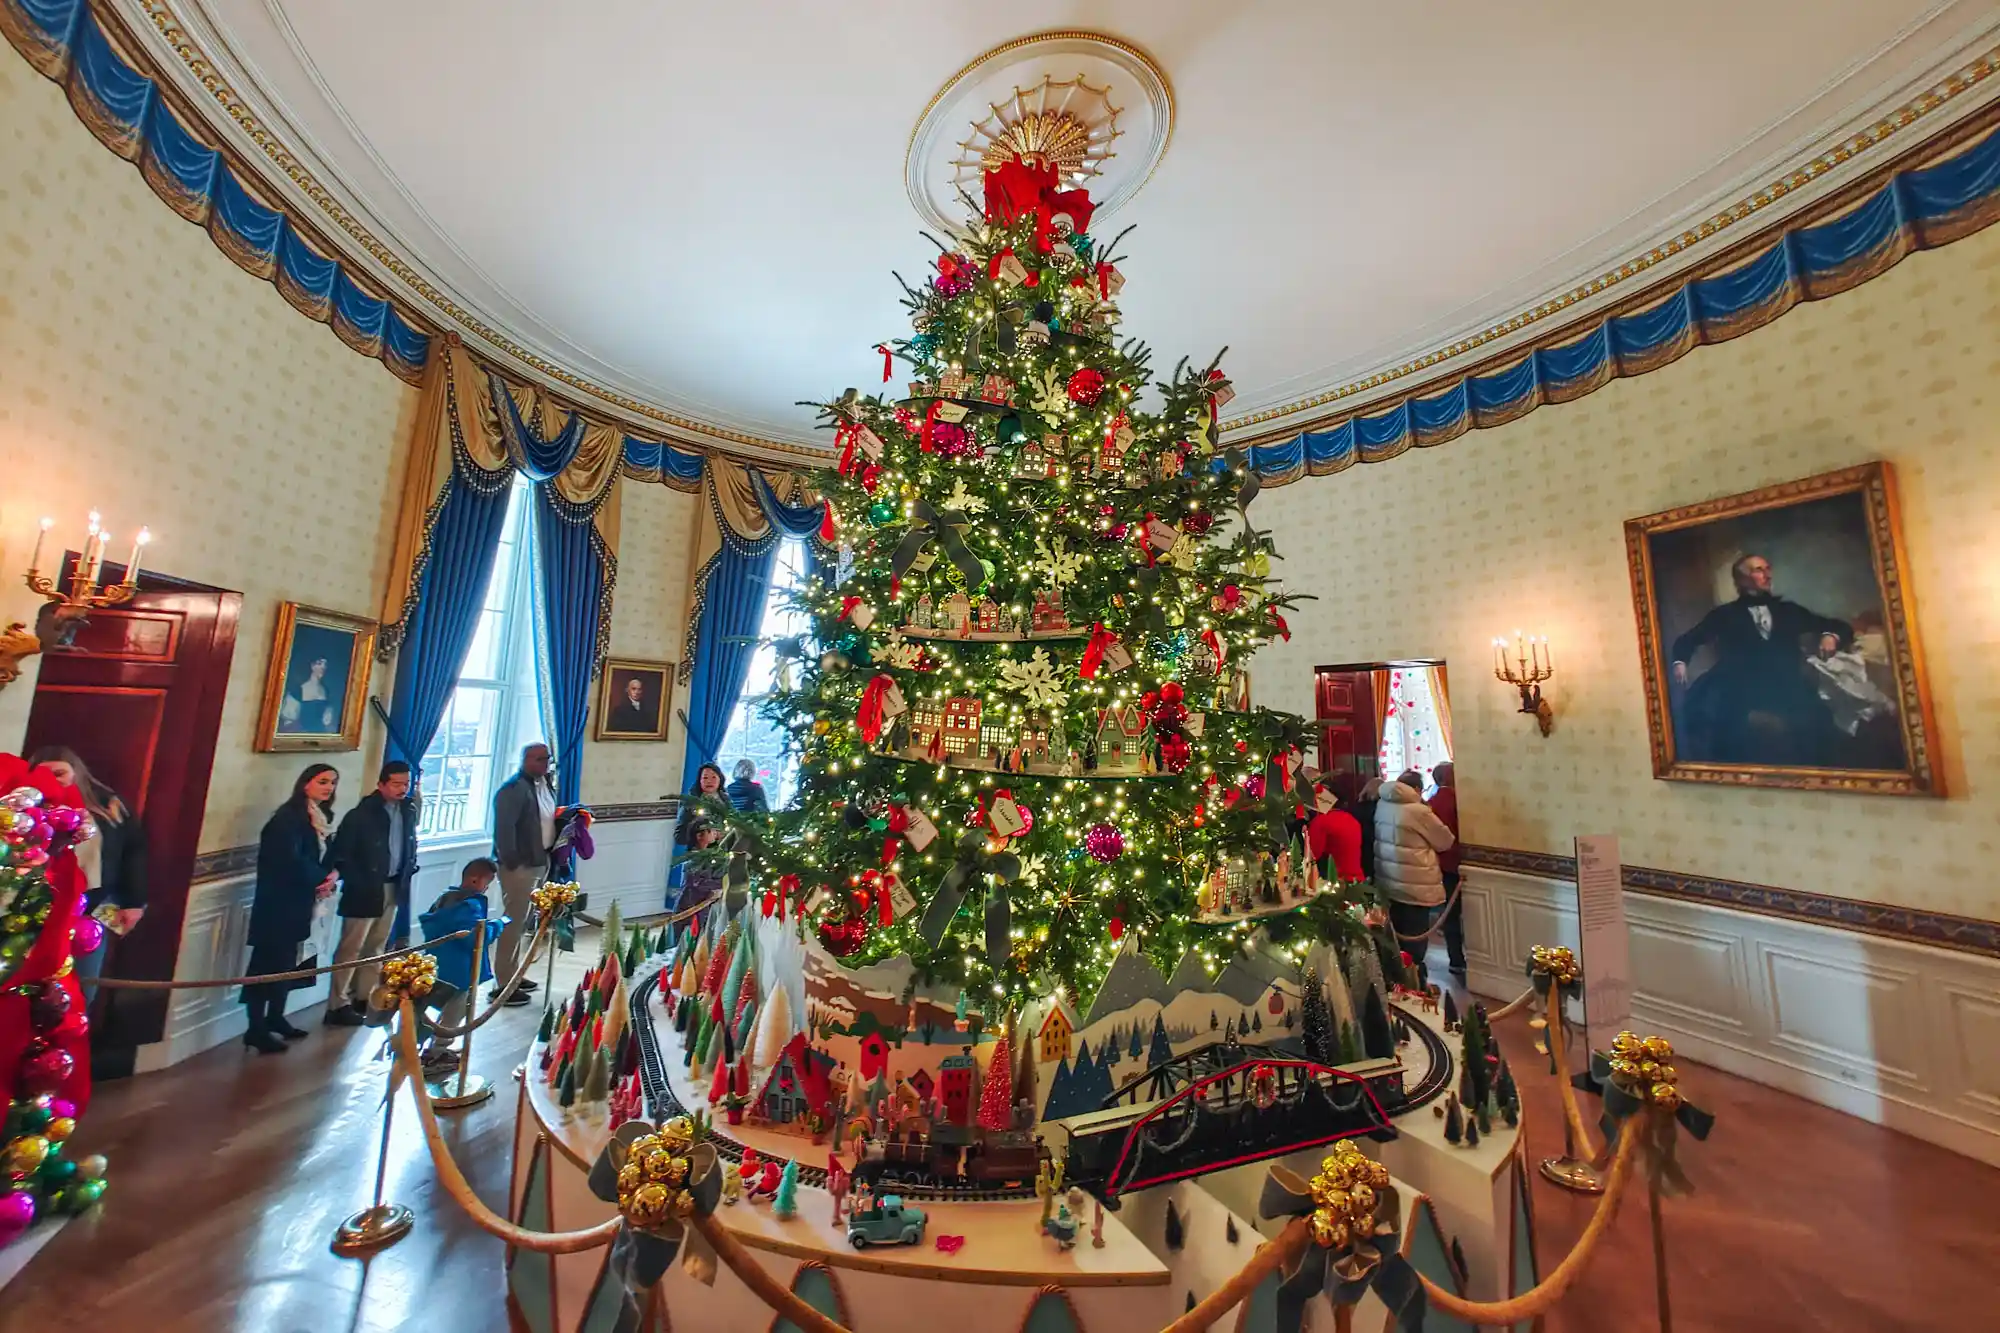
(921, 617)
(927, 729)
(1121, 739)
(1035, 462)
(988, 621)
(956, 618)
(1047, 613)
(961, 726)
(1053, 1038)
(924, 1084)
(954, 1089)
(801, 1081)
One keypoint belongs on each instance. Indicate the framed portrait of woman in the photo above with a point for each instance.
(318, 680)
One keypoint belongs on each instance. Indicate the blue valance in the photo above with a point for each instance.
(130, 113)
(1916, 208)
(540, 457)
(655, 460)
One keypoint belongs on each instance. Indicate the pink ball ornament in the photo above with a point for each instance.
(32, 856)
(62, 1108)
(86, 935)
(66, 818)
(22, 798)
(17, 1214)
(1104, 842)
(46, 1070)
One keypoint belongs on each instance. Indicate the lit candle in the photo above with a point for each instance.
(35, 560)
(1499, 658)
(132, 564)
(93, 551)
(1548, 658)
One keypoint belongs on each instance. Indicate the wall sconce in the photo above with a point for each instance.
(69, 610)
(1530, 665)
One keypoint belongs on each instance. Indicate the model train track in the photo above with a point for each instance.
(1433, 1083)
(664, 1105)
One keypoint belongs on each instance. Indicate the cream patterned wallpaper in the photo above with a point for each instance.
(144, 373)
(1433, 553)
(648, 622)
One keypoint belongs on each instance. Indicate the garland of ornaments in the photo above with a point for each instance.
(40, 1178)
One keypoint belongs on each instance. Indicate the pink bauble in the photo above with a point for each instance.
(46, 1070)
(62, 1108)
(17, 1214)
(1104, 842)
(86, 935)
(32, 855)
(66, 818)
(1027, 819)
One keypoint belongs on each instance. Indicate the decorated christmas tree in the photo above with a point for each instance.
(996, 1099)
(1024, 723)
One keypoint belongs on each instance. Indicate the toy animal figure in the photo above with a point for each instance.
(1063, 1227)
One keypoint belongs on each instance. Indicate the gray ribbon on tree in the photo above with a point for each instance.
(1370, 1262)
(946, 528)
(974, 861)
(640, 1256)
(1252, 483)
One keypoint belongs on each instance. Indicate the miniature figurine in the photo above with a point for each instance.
(889, 1221)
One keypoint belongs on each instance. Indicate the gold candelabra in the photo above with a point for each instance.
(1525, 669)
(69, 608)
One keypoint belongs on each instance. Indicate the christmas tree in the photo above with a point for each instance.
(1322, 1042)
(996, 1099)
(785, 1203)
(1026, 695)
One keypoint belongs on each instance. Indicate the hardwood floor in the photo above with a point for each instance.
(231, 1170)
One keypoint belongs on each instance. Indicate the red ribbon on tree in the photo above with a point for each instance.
(1014, 188)
(847, 605)
(888, 361)
(993, 264)
(899, 824)
(1215, 645)
(930, 420)
(1104, 272)
(843, 440)
(1145, 543)
(869, 714)
(1093, 652)
(827, 532)
(1284, 630)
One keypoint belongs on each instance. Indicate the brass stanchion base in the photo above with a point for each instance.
(1578, 1177)
(445, 1095)
(373, 1228)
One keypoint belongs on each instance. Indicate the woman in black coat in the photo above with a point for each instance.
(291, 879)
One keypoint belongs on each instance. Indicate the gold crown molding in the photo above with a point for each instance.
(284, 161)
(1941, 94)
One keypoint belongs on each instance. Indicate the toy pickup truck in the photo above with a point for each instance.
(889, 1222)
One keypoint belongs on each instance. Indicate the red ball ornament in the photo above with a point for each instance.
(1117, 929)
(1086, 386)
(1198, 523)
(1175, 755)
(46, 1071)
(48, 1005)
(841, 938)
(1104, 842)
(1172, 692)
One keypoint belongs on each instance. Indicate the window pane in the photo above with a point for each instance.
(751, 735)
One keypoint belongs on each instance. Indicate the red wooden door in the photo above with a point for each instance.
(1345, 710)
(139, 696)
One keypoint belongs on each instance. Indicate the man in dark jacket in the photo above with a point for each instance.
(374, 853)
(524, 829)
(1755, 705)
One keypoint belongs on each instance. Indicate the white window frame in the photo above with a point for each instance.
(515, 686)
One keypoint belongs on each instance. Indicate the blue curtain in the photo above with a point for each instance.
(457, 566)
(570, 565)
(732, 611)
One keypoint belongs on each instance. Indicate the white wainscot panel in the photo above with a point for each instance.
(1485, 942)
(1901, 1034)
(630, 867)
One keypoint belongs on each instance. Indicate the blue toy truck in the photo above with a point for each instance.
(889, 1222)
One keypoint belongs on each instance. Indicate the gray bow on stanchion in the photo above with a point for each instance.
(1356, 1221)
(659, 1178)
(1637, 1075)
(945, 527)
(974, 860)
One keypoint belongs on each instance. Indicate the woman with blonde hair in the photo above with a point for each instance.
(113, 863)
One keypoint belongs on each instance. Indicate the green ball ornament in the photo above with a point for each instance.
(82, 1195)
(57, 1171)
(881, 513)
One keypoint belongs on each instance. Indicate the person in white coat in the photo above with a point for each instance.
(1408, 838)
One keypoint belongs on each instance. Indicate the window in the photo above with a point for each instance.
(1415, 732)
(496, 707)
(751, 735)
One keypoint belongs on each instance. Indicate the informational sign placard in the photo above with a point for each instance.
(1607, 944)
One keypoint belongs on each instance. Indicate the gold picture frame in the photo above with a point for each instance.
(1812, 675)
(317, 683)
(623, 717)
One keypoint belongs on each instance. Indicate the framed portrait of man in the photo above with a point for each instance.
(1778, 636)
(317, 683)
(634, 700)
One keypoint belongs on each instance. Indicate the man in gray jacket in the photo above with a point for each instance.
(524, 828)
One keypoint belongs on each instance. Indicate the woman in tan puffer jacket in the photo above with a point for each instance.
(1408, 838)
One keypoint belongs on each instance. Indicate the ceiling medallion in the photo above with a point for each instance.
(1095, 108)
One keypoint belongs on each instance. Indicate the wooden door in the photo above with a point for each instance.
(1345, 711)
(138, 695)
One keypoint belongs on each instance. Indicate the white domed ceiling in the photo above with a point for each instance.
(699, 206)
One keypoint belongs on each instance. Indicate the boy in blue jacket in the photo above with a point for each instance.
(462, 908)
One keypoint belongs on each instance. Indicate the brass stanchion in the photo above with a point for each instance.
(1659, 1256)
(1572, 1171)
(382, 1223)
(472, 1089)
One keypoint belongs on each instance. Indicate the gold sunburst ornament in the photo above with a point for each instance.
(1042, 138)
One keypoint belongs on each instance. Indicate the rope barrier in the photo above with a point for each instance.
(1512, 1007)
(1270, 1257)
(299, 974)
(1436, 925)
(1580, 1134)
(410, 1073)
(1540, 1298)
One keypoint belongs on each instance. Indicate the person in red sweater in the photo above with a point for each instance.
(1333, 839)
(1444, 804)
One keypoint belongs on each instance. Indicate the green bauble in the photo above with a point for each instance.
(81, 1195)
(57, 1171)
(881, 513)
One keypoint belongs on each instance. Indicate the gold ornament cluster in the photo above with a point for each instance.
(1343, 1195)
(551, 896)
(1644, 1067)
(410, 976)
(653, 1183)
(1556, 962)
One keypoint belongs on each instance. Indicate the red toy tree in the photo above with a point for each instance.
(996, 1100)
